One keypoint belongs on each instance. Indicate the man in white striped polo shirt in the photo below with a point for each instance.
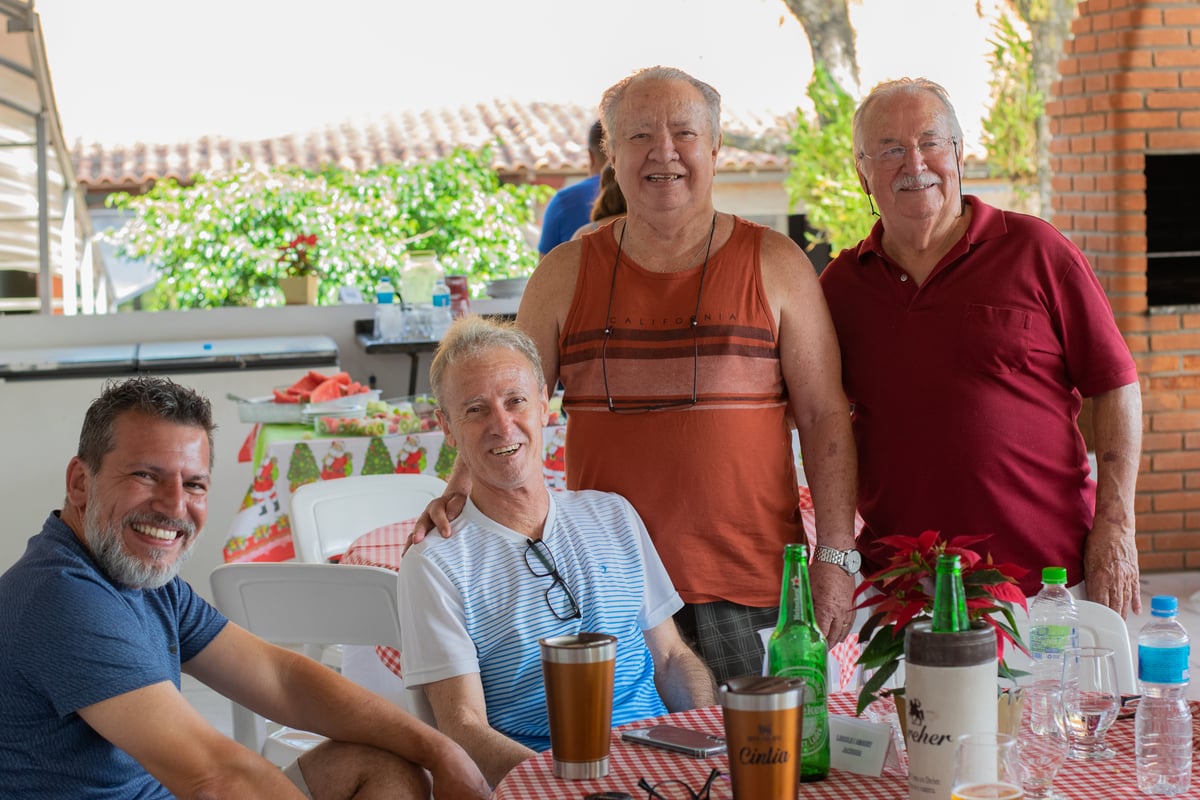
(526, 563)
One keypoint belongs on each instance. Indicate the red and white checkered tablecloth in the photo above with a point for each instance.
(534, 779)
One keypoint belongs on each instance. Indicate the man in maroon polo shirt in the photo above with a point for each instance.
(969, 337)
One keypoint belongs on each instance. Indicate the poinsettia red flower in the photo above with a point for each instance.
(901, 592)
(297, 255)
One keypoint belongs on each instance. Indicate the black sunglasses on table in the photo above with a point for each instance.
(678, 790)
(669, 790)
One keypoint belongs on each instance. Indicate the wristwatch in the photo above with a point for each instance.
(849, 560)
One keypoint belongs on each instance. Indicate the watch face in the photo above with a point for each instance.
(851, 561)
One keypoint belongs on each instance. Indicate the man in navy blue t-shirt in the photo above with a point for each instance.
(97, 626)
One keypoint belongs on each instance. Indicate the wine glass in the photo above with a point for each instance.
(985, 768)
(1090, 700)
(1041, 740)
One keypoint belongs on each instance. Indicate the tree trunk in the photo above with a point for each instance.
(827, 25)
(1049, 27)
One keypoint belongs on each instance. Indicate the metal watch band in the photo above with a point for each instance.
(848, 560)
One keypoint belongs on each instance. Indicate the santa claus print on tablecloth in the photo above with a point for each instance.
(337, 463)
(554, 464)
(262, 490)
(411, 458)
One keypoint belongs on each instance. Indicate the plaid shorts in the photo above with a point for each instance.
(726, 636)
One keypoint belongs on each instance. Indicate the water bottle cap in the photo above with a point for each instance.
(1164, 605)
(1054, 575)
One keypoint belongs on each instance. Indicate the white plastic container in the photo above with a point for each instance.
(1163, 721)
(949, 690)
(417, 278)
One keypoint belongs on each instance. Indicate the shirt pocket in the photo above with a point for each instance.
(994, 339)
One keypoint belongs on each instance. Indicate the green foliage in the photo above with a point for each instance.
(1010, 129)
(217, 242)
(822, 174)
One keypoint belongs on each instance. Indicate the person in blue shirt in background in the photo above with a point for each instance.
(571, 207)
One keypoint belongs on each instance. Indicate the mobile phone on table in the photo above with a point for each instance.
(680, 740)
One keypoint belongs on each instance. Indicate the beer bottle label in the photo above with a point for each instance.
(815, 736)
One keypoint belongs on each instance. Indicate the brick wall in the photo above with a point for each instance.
(1130, 84)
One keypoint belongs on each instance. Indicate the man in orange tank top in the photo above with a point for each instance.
(687, 341)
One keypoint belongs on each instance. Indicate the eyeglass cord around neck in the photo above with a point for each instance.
(694, 325)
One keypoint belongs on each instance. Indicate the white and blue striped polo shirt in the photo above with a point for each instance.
(470, 604)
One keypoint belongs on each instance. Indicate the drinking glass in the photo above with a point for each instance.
(1041, 740)
(985, 768)
(1090, 700)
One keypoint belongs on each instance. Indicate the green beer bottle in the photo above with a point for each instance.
(797, 649)
(949, 598)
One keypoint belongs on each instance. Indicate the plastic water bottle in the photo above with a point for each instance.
(389, 317)
(1053, 628)
(385, 293)
(1163, 721)
(440, 320)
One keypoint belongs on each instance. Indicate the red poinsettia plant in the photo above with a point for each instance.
(298, 257)
(902, 591)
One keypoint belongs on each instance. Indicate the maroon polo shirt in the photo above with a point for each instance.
(966, 389)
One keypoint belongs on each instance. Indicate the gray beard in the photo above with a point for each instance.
(107, 548)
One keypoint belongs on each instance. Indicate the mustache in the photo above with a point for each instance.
(157, 520)
(922, 181)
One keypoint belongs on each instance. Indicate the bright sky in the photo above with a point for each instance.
(166, 70)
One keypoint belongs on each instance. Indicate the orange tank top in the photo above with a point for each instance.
(714, 482)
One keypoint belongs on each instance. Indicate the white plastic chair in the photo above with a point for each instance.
(327, 516)
(295, 603)
(1099, 626)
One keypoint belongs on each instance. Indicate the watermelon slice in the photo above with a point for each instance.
(330, 389)
(316, 387)
(310, 381)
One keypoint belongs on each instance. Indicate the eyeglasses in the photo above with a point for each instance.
(628, 407)
(678, 790)
(930, 149)
(562, 603)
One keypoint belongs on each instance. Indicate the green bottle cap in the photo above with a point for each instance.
(1054, 575)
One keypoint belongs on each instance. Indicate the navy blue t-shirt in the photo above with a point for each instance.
(72, 638)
